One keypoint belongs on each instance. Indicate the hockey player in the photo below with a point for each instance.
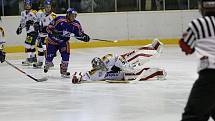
(59, 31)
(29, 22)
(124, 67)
(2, 42)
(200, 38)
(44, 18)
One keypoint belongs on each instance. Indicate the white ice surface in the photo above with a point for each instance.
(22, 99)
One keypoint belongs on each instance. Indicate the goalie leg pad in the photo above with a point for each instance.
(144, 54)
(148, 73)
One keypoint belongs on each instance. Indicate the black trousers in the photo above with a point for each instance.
(201, 102)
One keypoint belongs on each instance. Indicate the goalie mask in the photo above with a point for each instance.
(207, 7)
(98, 64)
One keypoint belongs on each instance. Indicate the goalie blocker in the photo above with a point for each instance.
(128, 66)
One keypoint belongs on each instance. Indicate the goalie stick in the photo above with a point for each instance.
(108, 81)
(35, 79)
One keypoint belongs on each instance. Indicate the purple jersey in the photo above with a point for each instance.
(60, 29)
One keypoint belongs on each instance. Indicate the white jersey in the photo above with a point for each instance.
(28, 16)
(38, 14)
(111, 63)
(44, 20)
(200, 37)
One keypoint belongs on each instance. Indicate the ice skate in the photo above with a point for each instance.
(65, 74)
(27, 62)
(38, 65)
(34, 59)
(47, 66)
(63, 70)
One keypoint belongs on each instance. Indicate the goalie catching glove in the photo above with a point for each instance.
(76, 78)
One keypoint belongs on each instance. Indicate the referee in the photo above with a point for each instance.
(200, 38)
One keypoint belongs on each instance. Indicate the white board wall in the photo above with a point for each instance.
(138, 25)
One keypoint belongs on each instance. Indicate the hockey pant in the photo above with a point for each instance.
(30, 46)
(201, 102)
(144, 54)
(64, 49)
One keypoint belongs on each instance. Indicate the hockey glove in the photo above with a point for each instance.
(36, 26)
(84, 38)
(76, 78)
(2, 56)
(186, 48)
(19, 30)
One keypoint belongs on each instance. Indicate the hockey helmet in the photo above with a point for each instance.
(71, 11)
(207, 7)
(27, 4)
(47, 5)
(98, 64)
(47, 2)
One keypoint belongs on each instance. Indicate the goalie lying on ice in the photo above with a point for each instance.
(128, 66)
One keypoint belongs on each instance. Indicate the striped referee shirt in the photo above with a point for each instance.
(200, 36)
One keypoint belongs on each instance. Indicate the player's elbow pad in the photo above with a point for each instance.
(185, 48)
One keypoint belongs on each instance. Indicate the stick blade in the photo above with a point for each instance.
(42, 79)
(117, 81)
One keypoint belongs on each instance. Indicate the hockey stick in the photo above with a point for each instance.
(35, 79)
(104, 40)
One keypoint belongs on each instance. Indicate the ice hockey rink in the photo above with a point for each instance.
(57, 99)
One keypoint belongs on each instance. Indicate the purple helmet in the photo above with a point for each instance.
(71, 11)
(28, 2)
